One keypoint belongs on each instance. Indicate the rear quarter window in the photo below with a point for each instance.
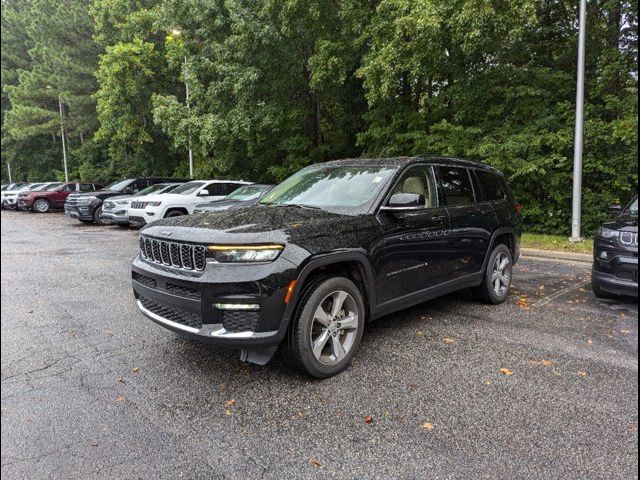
(491, 186)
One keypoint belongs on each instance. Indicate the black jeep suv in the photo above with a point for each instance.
(87, 207)
(334, 246)
(615, 254)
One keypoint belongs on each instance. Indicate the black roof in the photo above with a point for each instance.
(403, 161)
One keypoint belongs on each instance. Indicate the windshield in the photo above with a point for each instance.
(249, 192)
(187, 188)
(51, 187)
(633, 207)
(119, 186)
(39, 186)
(330, 186)
(153, 188)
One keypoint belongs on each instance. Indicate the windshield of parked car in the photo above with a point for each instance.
(153, 188)
(52, 186)
(632, 209)
(119, 186)
(187, 188)
(250, 192)
(330, 187)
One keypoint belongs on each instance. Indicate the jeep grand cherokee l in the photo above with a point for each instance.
(615, 254)
(41, 201)
(332, 247)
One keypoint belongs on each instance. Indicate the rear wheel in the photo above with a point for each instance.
(496, 282)
(41, 205)
(327, 328)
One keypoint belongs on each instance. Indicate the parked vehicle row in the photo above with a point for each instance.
(302, 266)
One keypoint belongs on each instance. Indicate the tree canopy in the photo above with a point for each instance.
(275, 85)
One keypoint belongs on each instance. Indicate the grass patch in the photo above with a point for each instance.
(555, 242)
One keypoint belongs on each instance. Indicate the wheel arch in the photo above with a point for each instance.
(168, 210)
(506, 235)
(352, 265)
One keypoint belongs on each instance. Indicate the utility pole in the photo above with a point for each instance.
(576, 210)
(9, 171)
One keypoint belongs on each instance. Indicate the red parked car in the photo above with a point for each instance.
(44, 201)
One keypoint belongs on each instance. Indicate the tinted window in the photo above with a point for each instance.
(70, 187)
(491, 186)
(86, 187)
(218, 189)
(456, 186)
(419, 180)
(232, 187)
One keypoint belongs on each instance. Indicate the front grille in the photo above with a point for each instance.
(240, 321)
(629, 239)
(190, 319)
(138, 205)
(626, 272)
(173, 254)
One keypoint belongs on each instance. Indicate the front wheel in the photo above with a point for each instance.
(174, 213)
(327, 328)
(496, 281)
(96, 216)
(41, 206)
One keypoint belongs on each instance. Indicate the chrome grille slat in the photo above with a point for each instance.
(185, 256)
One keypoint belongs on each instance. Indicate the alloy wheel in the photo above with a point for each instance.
(41, 206)
(335, 327)
(501, 275)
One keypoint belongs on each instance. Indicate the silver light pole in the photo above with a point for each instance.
(64, 145)
(576, 210)
(186, 86)
(9, 171)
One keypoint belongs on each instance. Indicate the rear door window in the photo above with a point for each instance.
(217, 189)
(86, 187)
(456, 186)
(491, 186)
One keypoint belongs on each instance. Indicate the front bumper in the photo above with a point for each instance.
(188, 303)
(81, 212)
(140, 217)
(118, 216)
(615, 269)
(10, 202)
(24, 204)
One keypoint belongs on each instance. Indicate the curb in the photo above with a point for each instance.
(555, 255)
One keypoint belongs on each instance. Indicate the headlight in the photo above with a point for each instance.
(608, 233)
(86, 199)
(245, 253)
(122, 202)
(154, 204)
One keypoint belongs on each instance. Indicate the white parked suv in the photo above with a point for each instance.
(180, 201)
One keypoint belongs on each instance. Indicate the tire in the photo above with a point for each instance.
(96, 216)
(597, 290)
(337, 328)
(174, 213)
(41, 206)
(496, 281)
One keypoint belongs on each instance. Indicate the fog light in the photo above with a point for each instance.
(237, 306)
(604, 255)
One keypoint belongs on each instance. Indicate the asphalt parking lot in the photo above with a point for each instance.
(543, 386)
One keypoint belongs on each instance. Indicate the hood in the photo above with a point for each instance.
(220, 205)
(98, 193)
(310, 228)
(120, 197)
(623, 223)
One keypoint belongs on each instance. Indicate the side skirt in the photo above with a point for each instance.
(430, 293)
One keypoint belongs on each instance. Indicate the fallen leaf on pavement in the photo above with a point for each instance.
(544, 363)
(427, 426)
(120, 398)
(315, 463)
(231, 402)
(228, 412)
(506, 371)
(419, 333)
(582, 374)
(368, 419)
(523, 302)
(30, 311)
(135, 370)
(449, 340)
(590, 342)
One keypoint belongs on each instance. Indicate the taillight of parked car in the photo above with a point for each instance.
(518, 208)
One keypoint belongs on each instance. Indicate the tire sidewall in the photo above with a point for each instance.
(41, 201)
(96, 215)
(174, 213)
(493, 297)
(304, 320)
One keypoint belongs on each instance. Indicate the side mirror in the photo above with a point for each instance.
(404, 202)
(615, 209)
(203, 193)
